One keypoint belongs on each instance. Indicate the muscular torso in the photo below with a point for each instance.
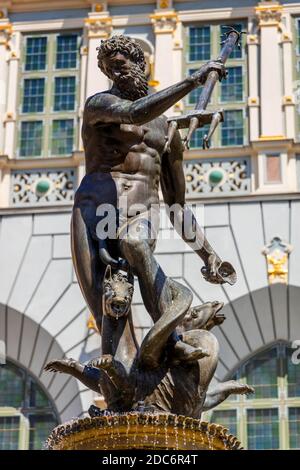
(127, 158)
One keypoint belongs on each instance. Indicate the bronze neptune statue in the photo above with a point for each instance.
(130, 152)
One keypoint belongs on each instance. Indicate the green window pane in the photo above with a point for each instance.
(227, 418)
(62, 137)
(19, 390)
(40, 428)
(36, 53)
(236, 53)
(263, 429)
(66, 51)
(262, 374)
(197, 138)
(11, 387)
(193, 96)
(294, 428)
(233, 128)
(37, 398)
(33, 96)
(31, 138)
(232, 87)
(9, 432)
(64, 94)
(293, 373)
(199, 43)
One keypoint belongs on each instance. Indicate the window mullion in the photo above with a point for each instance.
(24, 431)
(242, 425)
(283, 427)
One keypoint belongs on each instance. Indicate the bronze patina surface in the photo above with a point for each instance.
(158, 388)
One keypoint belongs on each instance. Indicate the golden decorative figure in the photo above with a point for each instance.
(277, 267)
(277, 255)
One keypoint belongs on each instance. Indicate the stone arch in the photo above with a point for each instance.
(254, 354)
(254, 322)
(30, 346)
(43, 314)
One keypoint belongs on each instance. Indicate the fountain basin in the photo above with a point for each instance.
(137, 430)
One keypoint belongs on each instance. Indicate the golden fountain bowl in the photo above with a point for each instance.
(136, 430)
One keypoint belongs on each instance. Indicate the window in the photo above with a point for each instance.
(227, 418)
(9, 432)
(33, 99)
(294, 427)
(30, 418)
(40, 428)
(262, 373)
(193, 97)
(298, 34)
(263, 429)
(199, 43)
(232, 87)
(202, 43)
(36, 53)
(49, 81)
(67, 51)
(11, 386)
(197, 138)
(62, 137)
(31, 138)
(269, 419)
(64, 95)
(293, 373)
(233, 128)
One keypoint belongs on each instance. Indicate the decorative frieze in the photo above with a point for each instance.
(164, 22)
(42, 186)
(98, 26)
(269, 13)
(219, 176)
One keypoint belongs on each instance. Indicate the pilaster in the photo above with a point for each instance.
(12, 87)
(269, 15)
(253, 79)
(167, 35)
(98, 26)
(288, 100)
(5, 35)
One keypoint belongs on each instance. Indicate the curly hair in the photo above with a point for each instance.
(124, 45)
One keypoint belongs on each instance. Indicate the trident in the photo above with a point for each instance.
(199, 117)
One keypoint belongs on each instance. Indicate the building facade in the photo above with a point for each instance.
(245, 190)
